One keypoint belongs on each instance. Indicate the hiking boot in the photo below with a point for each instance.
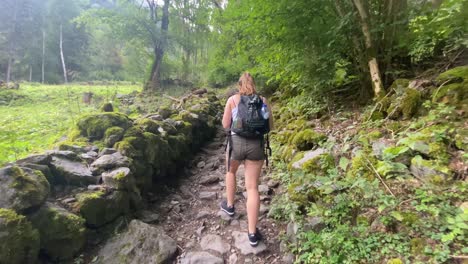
(230, 210)
(254, 238)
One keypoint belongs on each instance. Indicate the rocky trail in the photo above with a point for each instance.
(190, 214)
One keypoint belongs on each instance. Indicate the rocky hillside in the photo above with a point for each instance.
(385, 184)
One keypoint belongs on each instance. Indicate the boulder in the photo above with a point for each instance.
(200, 257)
(42, 159)
(216, 243)
(42, 168)
(62, 233)
(307, 139)
(94, 126)
(19, 240)
(74, 148)
(120, 179)
(317, 161)
(241, 241)
(22, 189)
(429, 170)
(107, 151)
(141, 243)
(113, 135)
(72, 172)
(99, 208)
(306, 157)
(108, 162)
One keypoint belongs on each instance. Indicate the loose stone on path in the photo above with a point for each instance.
(208, 195)
(200, 257)
(241, 241)
(214, 242)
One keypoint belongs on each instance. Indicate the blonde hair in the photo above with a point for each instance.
(246, 84)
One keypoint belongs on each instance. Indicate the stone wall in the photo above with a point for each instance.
(50, 202)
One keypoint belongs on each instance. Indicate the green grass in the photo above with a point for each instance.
(36, 116)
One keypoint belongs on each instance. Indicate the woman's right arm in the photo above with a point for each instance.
(227, 114)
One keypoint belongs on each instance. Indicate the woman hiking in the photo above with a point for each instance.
(247, 117)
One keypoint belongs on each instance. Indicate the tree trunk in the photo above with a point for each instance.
(62, 57)
(153, 83)
(30, 72)
(370, 49)
(43, 55)
(12, 43)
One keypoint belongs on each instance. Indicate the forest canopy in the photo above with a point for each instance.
(312, 46)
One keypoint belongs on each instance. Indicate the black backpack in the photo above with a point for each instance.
(249, 121)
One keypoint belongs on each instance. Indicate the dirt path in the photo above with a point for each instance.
(190, 214)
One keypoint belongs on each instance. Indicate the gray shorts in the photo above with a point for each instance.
(247, 148)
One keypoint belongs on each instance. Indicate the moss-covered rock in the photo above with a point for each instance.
(399, 86)
(453, 94)
(361, 166)
(22, 189)
(429, 170)
(19, 240)
(94, 126)
(165, 111)
(62, 234)
(320, 164)
(457, 74)
(107, 107)
(113, 135)
(149, 125)
(461, 138)
(410, 103)
(99, 208)
(307, 139)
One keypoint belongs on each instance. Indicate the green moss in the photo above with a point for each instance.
(94, 126)
(165, 111)
(417, 246)
(374, 135)
(121, 176)
(62, 234)
(148, 125)
(319, 165)
(453, 94)
(98, 208)
(455, 75)
(114, 131)
(410, 103)
(360, 167)
(431, 170)
(20, 241)
(461, 138)
(307, 139)
(399, 86)
(131, 147)
(31, 190)
(298, 156)
(395, 261)
(287, 152)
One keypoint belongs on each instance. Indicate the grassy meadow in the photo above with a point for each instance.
(36, 116)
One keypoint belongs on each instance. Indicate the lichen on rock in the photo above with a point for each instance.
(94, 126)
(307, 139)
(22, 189)
(19, 240)
(99, 208)
(62, 234)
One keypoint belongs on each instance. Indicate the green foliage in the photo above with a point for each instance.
(42, 114)
(440, 30)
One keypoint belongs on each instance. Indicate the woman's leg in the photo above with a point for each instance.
(253, 169)
(231, 181)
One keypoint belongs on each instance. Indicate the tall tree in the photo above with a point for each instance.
(370, 49)
(159, 44)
